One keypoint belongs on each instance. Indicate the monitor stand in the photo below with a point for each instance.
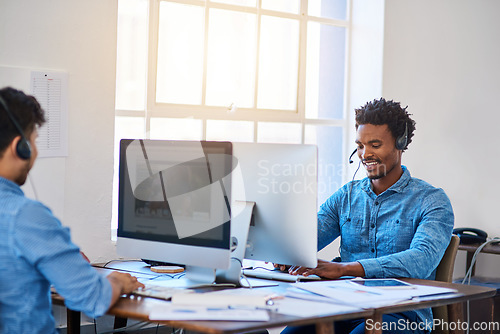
(239, 235)
(196, 277)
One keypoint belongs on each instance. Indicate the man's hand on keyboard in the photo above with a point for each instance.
(331, 270)
(122, 283)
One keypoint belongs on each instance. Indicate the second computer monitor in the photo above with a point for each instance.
(282, 180)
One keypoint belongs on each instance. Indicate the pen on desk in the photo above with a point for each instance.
(271, 298)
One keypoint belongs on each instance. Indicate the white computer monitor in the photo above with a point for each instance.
(282, 181)
(173, 204)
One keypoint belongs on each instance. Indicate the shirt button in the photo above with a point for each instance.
(373, 250)
(376, 203)
(373, 225)
(348, 219)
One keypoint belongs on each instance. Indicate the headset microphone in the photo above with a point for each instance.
(350, 157)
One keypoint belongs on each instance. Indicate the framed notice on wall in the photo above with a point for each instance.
(51, 91)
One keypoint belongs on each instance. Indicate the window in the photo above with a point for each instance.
(238, 70)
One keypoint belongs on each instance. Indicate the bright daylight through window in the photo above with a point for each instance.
(237, 70)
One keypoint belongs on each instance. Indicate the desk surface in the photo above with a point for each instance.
(139, 308)
(490, 249)
(465, 292)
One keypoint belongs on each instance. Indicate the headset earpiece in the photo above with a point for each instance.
(23, 147)
(402, 140)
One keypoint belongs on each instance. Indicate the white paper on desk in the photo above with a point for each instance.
(306, 295)
(348, 293)
(416, 290)
(306, 308)
(428, 291)
(237, 298)
(172, 312)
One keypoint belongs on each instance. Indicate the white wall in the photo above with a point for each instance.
(78, 37)
(441, 58)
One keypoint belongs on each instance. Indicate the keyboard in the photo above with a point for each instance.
(278, 275)
(159, 292)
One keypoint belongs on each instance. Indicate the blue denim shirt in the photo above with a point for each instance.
(36, 252)
(402, 232)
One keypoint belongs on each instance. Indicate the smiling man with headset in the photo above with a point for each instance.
(35, 249)
(390, 223)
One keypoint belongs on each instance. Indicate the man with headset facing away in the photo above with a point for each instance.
(390, 224)
(35, 249)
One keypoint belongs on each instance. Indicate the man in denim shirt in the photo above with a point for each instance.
(35, 249)
(390, 224)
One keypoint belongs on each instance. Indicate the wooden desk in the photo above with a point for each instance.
(139, 308)
(453, 302)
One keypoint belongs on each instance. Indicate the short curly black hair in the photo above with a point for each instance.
(381, 111)
(25, 109)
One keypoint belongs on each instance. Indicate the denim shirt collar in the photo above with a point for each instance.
(10, 186)
(396, 187)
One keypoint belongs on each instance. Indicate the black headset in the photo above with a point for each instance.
(402, 140)
(23, 147)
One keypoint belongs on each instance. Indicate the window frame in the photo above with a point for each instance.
(153, 109)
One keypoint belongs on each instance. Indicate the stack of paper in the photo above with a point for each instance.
(230, 298)
(179, 312)
(349, 293)
(229, 304)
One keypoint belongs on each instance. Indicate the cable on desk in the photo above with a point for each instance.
(250, 286)
(130, 260)
(172, 276)
(239, 261)
(264, 268)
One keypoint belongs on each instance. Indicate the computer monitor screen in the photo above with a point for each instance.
(173, 202)
(282, 180)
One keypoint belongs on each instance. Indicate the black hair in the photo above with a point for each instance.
(380, 112)
(25, 109)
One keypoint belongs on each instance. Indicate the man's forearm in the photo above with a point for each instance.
(352, 269)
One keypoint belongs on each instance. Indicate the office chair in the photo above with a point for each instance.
(444, 273)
